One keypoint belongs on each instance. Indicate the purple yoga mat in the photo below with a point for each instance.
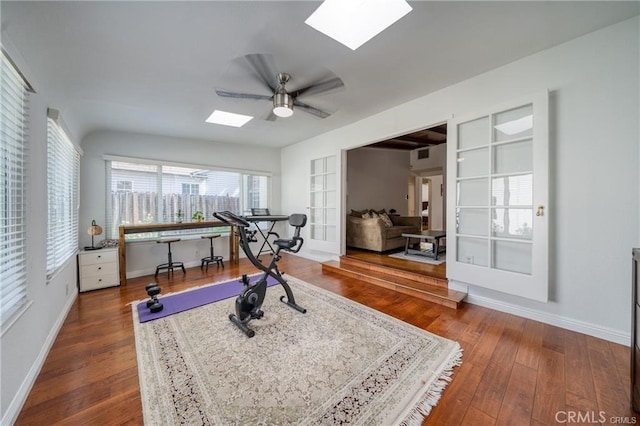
(190, 299)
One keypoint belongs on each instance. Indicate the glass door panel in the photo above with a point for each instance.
(473, 192)
(473, 221)
(512, 223)
(514, 123)
(317, 199)
(513, 157)
(330, 199)
(330, 181)
(512, 256)
(474, 133)
(317, 166)
(473, 163)
(512, 190)
(317, 184)
(472, 251)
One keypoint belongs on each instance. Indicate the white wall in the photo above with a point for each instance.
(25, 342)
(143, 257)
(437, 160)
(594, 134)
(377, 179)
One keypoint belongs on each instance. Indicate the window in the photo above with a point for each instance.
(13, 172)
(255, 192)
(124, 185)
(63, 174)
(190, 189)
(162, 193)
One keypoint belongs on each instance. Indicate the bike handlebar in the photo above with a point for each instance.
(231, 218)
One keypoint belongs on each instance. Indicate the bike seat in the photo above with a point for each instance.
(285, 244)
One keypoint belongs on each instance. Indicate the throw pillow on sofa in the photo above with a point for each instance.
(358, 213)
(382, 214)
(386, 219)
(373, 214)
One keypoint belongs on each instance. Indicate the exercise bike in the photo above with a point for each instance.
(249, 302)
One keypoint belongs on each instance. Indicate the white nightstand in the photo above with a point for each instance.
(98, 268)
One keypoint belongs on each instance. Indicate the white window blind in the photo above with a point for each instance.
(63, 175)
(13, 172)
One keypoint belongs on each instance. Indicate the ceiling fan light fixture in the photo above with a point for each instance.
(282, 104)
(354, 22)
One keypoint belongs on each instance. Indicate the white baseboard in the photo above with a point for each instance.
(11, 415)
(590, 329)
(318, 256)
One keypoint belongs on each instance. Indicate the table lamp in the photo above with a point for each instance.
(93, 230)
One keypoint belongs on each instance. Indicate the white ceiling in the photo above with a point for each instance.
(152, 67)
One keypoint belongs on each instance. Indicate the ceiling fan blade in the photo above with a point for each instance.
(264, 67)
(311, 110)
(323, 86)
(238, 95)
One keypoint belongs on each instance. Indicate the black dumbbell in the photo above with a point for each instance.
(153, 290)
(147, 288)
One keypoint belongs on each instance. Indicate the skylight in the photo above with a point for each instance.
(354, 22)
(228, 118)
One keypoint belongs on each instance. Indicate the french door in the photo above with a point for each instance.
(497, 173)
(322, 204)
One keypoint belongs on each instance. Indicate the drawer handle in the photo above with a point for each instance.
(100, 280)
(99, 256)
(99, 268)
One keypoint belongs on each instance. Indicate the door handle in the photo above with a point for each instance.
(540, 211)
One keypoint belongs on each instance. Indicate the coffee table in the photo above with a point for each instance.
(429, 236)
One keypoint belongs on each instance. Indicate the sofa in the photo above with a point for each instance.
(380, 233)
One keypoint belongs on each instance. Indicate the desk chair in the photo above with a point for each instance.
(170, 264)
(212, 258)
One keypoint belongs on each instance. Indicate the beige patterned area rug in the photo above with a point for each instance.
(340, 363)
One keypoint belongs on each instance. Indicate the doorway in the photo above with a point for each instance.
(424, 200)
(431, 201)
(388, 175)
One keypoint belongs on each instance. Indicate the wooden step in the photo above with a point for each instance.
(386, 277)
(395, 272)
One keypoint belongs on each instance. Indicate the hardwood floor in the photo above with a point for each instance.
(514, 372)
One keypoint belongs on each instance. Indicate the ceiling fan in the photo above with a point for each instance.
(283, 99)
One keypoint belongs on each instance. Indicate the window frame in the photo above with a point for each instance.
(190, 189)
(126, 184)
(111, 229)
